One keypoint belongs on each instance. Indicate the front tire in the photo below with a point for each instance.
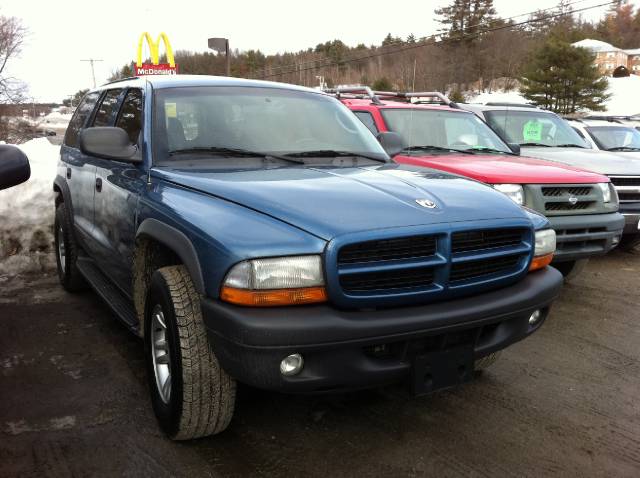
(630, 244)
(571, 269)
(192, 396)
(67, 252)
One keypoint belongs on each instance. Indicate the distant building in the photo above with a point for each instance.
(609, 57)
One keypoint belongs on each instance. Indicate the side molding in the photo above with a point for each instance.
(179, 243)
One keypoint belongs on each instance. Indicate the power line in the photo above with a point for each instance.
(327, 62)
(93, 71)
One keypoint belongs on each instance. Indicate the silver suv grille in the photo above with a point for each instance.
(627, 187)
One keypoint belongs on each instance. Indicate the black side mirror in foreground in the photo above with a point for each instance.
(514, 147)
(108, 142)
(392, 142)
(14, 166)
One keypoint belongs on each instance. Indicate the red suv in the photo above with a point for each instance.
(582, 206)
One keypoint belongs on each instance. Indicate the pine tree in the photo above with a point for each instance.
(562, 78)
(466, 17)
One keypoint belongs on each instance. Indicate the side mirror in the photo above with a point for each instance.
(514, 147)
(392, 142)
(14, 166)
(108, 142)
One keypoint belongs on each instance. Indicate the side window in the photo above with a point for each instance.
(367, 119)
(83, 111)
(130, 118)
(107, 108)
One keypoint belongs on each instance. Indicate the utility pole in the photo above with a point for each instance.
(93, 71)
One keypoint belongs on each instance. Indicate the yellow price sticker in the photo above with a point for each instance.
(171, 110)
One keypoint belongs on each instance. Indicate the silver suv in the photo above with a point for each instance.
(543, 134)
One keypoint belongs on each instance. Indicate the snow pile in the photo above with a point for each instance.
(57, 119)
(26, 213)
(624, 101)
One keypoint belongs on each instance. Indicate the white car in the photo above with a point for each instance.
(613, 136)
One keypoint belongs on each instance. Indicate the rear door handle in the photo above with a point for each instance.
(99, 184)
(68, 173)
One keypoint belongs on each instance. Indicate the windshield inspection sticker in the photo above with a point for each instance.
(532, 131)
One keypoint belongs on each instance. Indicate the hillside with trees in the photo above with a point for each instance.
(475, 49)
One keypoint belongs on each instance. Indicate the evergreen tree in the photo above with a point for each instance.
(562, 78)
(466, 17)
(382, 84)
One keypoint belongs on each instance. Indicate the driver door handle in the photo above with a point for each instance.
(99, 184)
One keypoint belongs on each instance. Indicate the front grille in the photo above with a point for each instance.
(370, 281)
(566, 191)
(475, 269)
(625, 196)
(418, 265)
(466, 241)
(625, 181)
(388, 249)
(560, 206)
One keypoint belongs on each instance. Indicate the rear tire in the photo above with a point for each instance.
(487, 361)
(630, 244)
(200, 397)
(571, 269)
(67, 252)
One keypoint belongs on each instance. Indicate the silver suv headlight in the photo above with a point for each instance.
(514, 191)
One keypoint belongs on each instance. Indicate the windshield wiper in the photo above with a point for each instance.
(231, 152)
(483, 149)
(535, 144)
(570, 145)
(330, 153)
(623, 148)
(438, 148)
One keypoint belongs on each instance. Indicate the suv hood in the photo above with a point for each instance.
(328, 201)
(603, 162)
(496, 169)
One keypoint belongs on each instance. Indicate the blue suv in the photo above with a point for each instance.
(258, 232)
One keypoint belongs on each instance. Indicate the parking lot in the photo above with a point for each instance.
(564, 402)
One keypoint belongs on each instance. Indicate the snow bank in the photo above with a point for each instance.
(26, 213)
(624, 101)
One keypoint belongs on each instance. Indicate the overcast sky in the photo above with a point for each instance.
(63, 32)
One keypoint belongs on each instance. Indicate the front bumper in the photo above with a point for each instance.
(580, 237)
(338, 345)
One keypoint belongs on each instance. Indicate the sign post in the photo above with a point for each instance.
(221, 45)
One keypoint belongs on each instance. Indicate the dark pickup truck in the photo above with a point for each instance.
(258, 232)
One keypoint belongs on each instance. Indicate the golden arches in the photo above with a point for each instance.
(153, 49)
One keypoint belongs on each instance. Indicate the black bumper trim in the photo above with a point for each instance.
(250, 343)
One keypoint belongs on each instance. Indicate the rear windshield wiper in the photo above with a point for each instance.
(570, 145)
(330, 153)
(535, 144)
(623, 148)
(438, 148)
(231, 152)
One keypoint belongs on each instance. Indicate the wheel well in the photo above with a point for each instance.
(150, 255)
(58, 194)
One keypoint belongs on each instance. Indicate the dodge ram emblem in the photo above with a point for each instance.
(426, 203)
(573, 200)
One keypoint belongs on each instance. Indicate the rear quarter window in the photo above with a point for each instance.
(79, 119)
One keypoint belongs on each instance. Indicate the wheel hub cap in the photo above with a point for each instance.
(160, 354)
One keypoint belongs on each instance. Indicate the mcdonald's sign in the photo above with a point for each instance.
(155, 67)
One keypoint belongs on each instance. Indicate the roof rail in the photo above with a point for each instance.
(120, 80)
(415, 94)
(506, 103)
(610, 119)
(357, 91)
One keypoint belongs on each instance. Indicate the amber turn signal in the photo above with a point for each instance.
(540, 262)
(273, 297)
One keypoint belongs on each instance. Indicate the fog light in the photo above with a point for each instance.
(535, 317)
(291, 365)
(615, 241)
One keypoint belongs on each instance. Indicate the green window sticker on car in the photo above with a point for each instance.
(532, 131)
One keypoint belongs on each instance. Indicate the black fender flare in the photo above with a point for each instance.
(179, 243)
(61, 183)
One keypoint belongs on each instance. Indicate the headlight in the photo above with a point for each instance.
(275, 281)
(514, 191)
(544, 248)
(606, 191)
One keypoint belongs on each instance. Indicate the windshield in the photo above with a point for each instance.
(442, 129)
(533, 128)
(613, 137)
(218, 124)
